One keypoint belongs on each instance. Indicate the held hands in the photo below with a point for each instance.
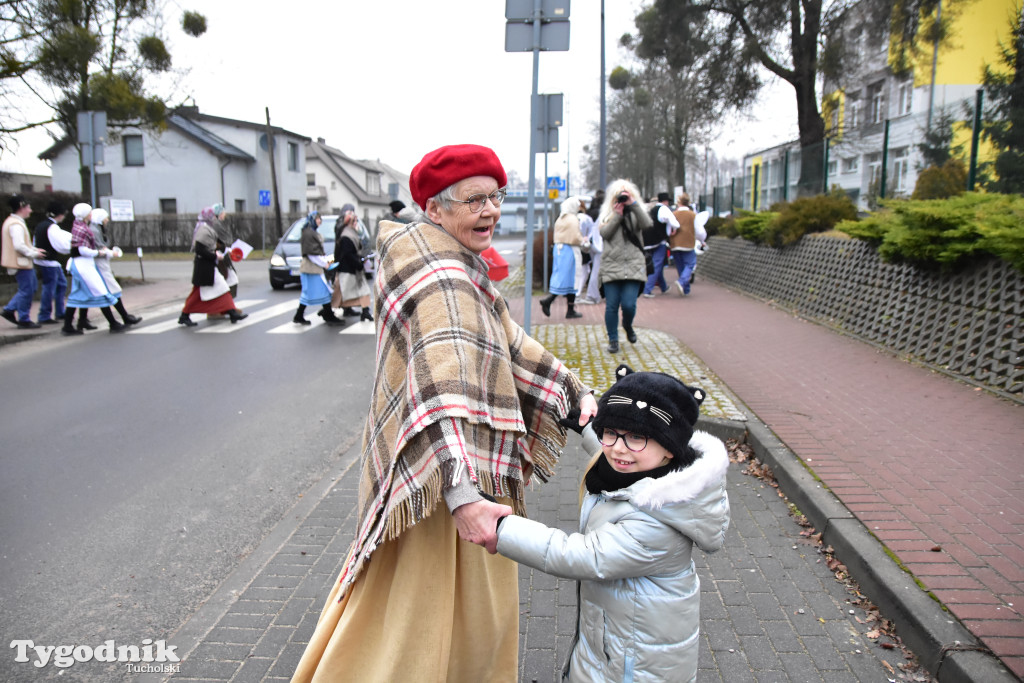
(477, 523)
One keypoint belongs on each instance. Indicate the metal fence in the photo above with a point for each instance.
(866, 157)
(174, 232)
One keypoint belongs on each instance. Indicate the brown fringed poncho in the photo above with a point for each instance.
(448, 349)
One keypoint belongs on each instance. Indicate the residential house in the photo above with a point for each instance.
(196, 161)
(334, 179)
(24, 183)
(876, 116)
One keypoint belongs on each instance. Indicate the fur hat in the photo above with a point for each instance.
(655, 405)
(448, 165)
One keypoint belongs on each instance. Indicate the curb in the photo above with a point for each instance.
(945, 647)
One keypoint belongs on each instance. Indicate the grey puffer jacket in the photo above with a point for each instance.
(621, 258)
(638, 614)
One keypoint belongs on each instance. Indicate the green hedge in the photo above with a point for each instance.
(946, 232)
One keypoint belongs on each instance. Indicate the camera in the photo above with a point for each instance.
(622, 198)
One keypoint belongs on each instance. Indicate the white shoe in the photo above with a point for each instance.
(648, 296)
(679, 288)
(585, 301)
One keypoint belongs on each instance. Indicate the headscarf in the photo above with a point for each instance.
(205, 221)
(571, 205)
(80, 211)
(96, 226)
(218, 209)
(311, 218)
(223, 233)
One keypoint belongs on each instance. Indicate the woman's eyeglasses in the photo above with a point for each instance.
(476, 201)
(634, 442)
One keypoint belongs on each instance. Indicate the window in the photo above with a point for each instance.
(874, 171)
(132, 150)
(372, 183)
(294, 206)
(904, 98)
(901, 169)
(239, 206)
(168, 206)
(334, 185)
(852, 114)
(104, 187)
(26, 188)
(851, 165)
(311, 180)
(293, 156)
(876, 104)
(833, 167)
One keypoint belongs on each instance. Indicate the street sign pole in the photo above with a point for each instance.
(549, 31)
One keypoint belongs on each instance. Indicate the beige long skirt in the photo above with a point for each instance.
(428, 607)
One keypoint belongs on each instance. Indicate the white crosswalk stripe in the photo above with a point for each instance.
(157, 328)
(255, 317)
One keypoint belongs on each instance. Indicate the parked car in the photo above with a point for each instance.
(287, 256)
(285, 261)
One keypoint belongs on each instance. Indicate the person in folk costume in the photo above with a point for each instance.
(312, 273)
(465, 408)
(17, 257)
(225, 266)
(210, 292)
(98, 221)
(566, 258)
(351, 289)
(89, 289)
(49, 237)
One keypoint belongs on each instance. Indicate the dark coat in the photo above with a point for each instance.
(204, 266)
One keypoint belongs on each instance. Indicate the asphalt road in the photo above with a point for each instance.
(138, 470)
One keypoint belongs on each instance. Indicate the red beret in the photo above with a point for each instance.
(448, 165)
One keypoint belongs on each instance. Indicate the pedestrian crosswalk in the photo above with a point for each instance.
(166, 319)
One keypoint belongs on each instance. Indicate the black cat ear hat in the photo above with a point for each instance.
(655, 405)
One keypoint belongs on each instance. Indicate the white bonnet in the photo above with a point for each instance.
(98, 216)
(80, 211)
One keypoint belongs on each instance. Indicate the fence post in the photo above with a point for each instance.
(824, 170)
(785, 177)
(885, 160)
(975, 133)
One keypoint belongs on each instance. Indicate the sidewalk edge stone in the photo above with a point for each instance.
(932, 633)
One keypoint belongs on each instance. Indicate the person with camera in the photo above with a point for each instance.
(623, 267)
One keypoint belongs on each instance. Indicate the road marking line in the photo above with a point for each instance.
(361, 327)
(257, 317)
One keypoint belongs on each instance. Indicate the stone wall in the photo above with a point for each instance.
(968, 323)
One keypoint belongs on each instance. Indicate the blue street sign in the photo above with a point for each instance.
(264, 197)
(556, 183)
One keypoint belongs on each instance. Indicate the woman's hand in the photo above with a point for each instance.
(588, 409)
(478, 522)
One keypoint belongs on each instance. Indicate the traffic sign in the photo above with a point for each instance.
(552, 194)
(264, 197)
(556, 183)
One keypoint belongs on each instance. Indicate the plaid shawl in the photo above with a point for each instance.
(447, 350)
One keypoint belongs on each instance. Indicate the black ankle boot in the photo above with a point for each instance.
(366, 315)
(84, 324)
(237, 315)
(69, 327)
(186, 320)
(327, 313)
(630, 334)
(545, 305)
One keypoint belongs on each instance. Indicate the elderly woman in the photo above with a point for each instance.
(566, 258)
(465, 407)
(210, 293)
(313, 274)
(351, 290)
(623, 267)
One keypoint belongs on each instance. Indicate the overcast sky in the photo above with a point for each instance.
(394, 79)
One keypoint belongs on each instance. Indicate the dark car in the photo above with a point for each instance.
(284, 262)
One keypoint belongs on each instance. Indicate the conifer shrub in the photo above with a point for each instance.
(940, 182)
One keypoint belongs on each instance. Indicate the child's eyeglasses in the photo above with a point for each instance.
(634, 442)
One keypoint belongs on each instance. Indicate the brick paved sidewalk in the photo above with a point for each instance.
(772, 609)
(931, 466)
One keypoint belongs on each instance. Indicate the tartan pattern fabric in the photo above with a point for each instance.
(459, 390)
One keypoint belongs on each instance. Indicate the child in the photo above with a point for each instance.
(656, 489)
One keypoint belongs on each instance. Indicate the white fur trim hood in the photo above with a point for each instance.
(685, 485)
